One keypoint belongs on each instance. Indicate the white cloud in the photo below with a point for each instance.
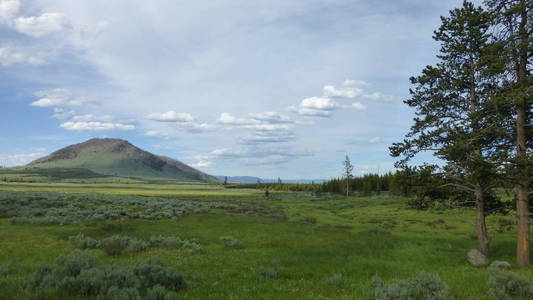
(261, 137)
(153, 133)
(252, 155)
(271, 117)
(202, 164)
(62, 114)
(315, 107)
(95, 126)
(8, 8)
(358, 106)
(52, 97)
(375, 140)
(11, 160)
(59, 97)
(8, 57)
(91, 117)
(44, 24)
(379, 96)
(349, 92)
(171, 116)
(319, 103)
(197, 127)
(229, 119)
(355, 83)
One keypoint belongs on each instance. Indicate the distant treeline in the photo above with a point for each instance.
(426, 188)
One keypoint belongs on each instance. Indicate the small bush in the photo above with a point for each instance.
(423, 287)
(78, 275)
(115, 245)
(84, 242)
(162, 241)
(504, 285)
(231, 242)
(159, 292)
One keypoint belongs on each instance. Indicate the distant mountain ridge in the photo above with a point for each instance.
(252, 179)
(118, 157)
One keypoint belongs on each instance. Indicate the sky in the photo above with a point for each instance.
(269, 88)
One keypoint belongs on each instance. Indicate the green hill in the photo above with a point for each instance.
(118, 157)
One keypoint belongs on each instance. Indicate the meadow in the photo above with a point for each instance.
(239, 244)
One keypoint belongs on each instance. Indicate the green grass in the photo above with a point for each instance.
(310, 238)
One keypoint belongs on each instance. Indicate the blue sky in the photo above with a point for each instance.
(271, 88)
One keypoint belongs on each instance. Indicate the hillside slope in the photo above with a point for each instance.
(120, 158)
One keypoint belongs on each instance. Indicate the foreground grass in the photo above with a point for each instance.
(307, 238)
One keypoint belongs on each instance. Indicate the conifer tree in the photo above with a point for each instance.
(452, 101)
(513, 28)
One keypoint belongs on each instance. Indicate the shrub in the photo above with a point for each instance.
(231, 242)
(161, 241)
(153, 273)
(84, 242)
(115, 245)
(423, 287)
(115, 293)
(77, 275)
(73, 264)
(159, 292)
(504, 285)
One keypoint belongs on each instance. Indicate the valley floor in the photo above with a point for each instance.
(306, 239)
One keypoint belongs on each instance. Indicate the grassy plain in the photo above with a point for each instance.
(306, 238)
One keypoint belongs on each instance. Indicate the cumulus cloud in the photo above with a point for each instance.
(8, 9)
(315, 107)
(9, 57)
(229, 119)
(347, 92)
(44, 24)
(171, 116)
(95, 126)
(358, 106)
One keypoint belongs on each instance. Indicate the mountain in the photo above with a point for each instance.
(118, 157)
(252, 179)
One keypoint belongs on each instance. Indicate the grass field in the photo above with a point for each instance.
(306, 239)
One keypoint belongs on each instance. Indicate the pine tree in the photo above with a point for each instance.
(347, 172)
(513, 29)
(452, 101)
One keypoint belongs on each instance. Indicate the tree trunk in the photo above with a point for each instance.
(522, 209)
(481, 226)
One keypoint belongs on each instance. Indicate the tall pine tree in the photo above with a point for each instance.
(451, 100)
(513, 29)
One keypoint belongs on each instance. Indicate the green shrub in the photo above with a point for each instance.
(159, 292)
(231, 242)
(115, 245)
(78, 275)
(505, 285)
(423, 287)
(84, 242)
